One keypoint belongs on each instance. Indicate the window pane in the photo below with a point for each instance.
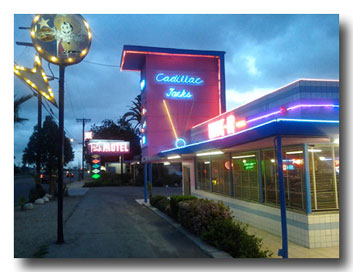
(293, 174)
(203, 173)
(322, 177)
(245, 175)
(269, 177)
(220, 174)
(337, 169)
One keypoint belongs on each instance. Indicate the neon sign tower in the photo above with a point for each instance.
(179, 89)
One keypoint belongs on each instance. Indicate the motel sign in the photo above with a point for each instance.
(108, 147)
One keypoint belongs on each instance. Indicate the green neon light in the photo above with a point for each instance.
(96, 176)
(249, 165)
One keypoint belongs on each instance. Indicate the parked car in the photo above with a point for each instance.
(69, 174)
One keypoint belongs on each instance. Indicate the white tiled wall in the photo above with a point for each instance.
(316, 230)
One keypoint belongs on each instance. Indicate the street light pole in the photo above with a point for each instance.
(39, 128)
(83, 120)
(60, 238)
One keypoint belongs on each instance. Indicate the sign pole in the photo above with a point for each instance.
(38, 161)
(60, 238)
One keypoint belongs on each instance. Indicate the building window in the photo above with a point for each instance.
(293, 174)
(220, 167)
(269, 177)
(324, 177)
(245, 175)
(203, 173)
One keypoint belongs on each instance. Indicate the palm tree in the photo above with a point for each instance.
(134, 113)
(17, 105)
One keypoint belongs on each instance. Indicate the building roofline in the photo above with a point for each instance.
(148, 50)
(274, 91)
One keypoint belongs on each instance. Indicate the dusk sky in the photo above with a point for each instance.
(263, 53)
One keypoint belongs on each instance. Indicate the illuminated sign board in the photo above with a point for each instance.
(96, 166)
(225, 126)
(62, 39)
(178, 79)
(173, 92)
(108, 147)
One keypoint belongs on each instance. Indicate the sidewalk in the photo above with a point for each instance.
(76, 188)
(108, 223)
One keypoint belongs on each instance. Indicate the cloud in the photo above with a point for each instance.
(236, 98)
(263, 53)
(251, 65)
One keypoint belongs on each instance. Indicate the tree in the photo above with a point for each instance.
(47, 138)
(134, 114)
(17, 105)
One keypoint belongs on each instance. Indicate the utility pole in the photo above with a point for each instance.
(83, 120)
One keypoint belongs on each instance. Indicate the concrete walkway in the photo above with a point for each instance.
(108, 223)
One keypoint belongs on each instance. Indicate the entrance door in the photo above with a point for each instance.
(186, 180)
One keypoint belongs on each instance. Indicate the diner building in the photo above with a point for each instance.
(288, 138)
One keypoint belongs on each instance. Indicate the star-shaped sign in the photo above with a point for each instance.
(36, 79)
(43, 23)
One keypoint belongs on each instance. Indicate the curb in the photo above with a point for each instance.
(208, 249)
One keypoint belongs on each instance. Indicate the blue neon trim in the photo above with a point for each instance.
(178, 141)
(143, 84)
(308, 120)
(248, 129)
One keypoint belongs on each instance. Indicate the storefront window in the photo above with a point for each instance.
(323, 167)
(293, 174)
(203, 173)
(220, 167)
(269, 177)
(245, 175)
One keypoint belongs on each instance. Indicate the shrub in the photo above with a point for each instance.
(233, 238)
(200, 214)
(164, 205)
(155, 199)
(174, 201)
(161, 202)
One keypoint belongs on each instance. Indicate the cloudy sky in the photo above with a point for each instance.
(263, 53)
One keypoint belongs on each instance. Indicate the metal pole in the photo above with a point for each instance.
(39, 125)
(145, 181)
(284, 251)
(150, 173)
(307, 180)
(334, 175)
(60, 238)
(231, 193)
(259, 169)
(83, 150)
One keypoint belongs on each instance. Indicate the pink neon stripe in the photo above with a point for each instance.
(289, 84)
(275, 112)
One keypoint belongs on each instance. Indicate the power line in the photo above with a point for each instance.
(102, 64)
